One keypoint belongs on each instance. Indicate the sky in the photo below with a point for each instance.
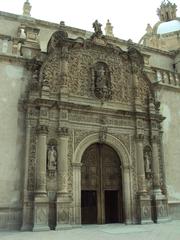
(129, 18)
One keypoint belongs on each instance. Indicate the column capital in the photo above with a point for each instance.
(42, 129)
(128, 167)
(139, 136)
(76, 165)
(63, 131)
(155, 138)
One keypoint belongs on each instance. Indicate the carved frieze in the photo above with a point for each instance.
(111, 121)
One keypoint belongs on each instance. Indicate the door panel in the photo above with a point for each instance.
(89, 207)
(111, 207)
(101, 184)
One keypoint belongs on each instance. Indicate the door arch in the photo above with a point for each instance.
(101, 185)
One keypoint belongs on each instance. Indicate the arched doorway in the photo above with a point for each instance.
(101, 186)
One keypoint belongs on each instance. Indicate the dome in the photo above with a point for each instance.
(167, 27)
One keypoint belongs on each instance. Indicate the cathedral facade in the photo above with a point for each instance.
(90, 126)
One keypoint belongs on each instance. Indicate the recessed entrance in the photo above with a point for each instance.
(101, 186)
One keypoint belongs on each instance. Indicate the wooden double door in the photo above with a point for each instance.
(101, 186)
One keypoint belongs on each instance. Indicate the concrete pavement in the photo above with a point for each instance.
(164, 231)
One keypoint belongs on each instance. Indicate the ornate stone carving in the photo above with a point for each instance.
(63, 131)
(57, 40)
(50, 72)
(63, 216)
(102, 134)
(41, 215)
(42, 129)
(32, 156)
(146, 212)
(79, 135)
(34, 66)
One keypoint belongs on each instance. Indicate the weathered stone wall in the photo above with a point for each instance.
(12, 82)
(170, 98)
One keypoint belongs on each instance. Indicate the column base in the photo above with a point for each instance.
(144, 209)
(27, 217)
(25, 228)
(64, 211)
(63, 227)
(41, 213)
(160, 207)
(40, 228)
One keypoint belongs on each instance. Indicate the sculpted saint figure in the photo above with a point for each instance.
(101, 78)
(147, 163)
(52, 158)
(97, 28)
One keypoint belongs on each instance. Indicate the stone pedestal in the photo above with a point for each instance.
(159, 201)
(41, 213)
(144, 209)
(160, 208)
(64, 211)
(27, 216)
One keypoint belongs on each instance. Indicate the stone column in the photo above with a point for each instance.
(127, 194)
(27, 206)
(77, 193)
(63, 198)
(144, 202)
(155, 165)
(140, 165)
(41, 205)
(160, 208)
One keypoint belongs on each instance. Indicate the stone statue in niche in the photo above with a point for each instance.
(52, 160)
(147, 164)
(101, 81)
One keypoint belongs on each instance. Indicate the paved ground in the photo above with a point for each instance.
(165, 231)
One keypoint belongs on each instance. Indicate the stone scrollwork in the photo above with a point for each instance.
(101, 82)
(57, 39)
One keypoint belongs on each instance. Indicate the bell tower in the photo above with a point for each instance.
(167, 11)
